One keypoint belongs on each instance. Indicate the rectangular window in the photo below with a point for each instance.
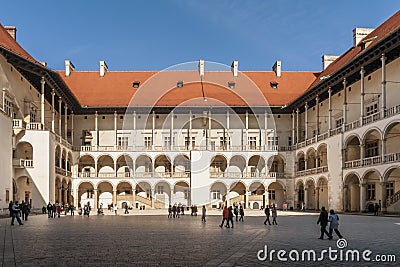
(272, 141)
(186, 192)
(339, 122)
(7, 196)
(289, 141)
(371, 191)
(167, 142)
(371, 109)
(224, 141)
(148, 142)
(252, 142)
(187, 142)
(33, 116)
(389, 190)
(216, 194)
(271, 194)
(123, 141)
(371, 149)
(8, 106)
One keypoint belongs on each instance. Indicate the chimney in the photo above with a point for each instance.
(327, 60)
(359, 34)
(235, 67)
(103, 68)
(277, 68)
(12, 30)
(201, 67)
(69, 68)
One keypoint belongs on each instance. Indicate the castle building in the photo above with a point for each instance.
(204, 133)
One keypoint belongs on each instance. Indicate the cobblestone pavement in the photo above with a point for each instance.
(159, 241)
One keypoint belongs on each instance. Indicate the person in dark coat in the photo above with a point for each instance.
(267, 213)
(230, 217)
(323, 222)
(241, 213)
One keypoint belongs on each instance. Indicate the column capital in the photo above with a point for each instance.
(59, 99)
(115, 114)
(53, 92)
(362, 71)
(42, 81)
(306, 105)
(297, 110)
(344, 81)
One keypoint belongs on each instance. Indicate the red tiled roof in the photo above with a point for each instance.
(9, 43)
(385, 29)
(160, 88)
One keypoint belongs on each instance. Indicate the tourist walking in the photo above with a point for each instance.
(170, 211)
(241, 213)
(334, 224)
(323, 222)
(376, 209)
(225, 214)
(115, 209)
(71, 209)
(236, 212)
(174, 211)
(203, 214)
(267, 214)
(25, 210)
(274, 215)
(53, 210)
(15, 213)
(49, 210)
(230, 217)
(10, 207)
(59, 211)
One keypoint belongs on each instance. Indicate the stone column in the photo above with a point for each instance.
(345, 198)
(383, 94)
(42, 83)
(363, 196)
(171, 132)
(115, 129)
(153, 126)
(96, 128)
(362, 95)
(209, 131)
(52, 110)
(59, 116)
(344, 104)
(293, 129)
(72, 127)
(190, 131)
(330, 110)
(65, 200)
(114, 197)
(65, 121)
(134, 198)
(306, 121)
(59, 199)
(317, 113)
(95, 199)
(246, 199)
(247, 130)
(383, 196)
(317, 198)
(227, 131)
(305, 198)
(153, 196)
(266, 198)
(297, 124)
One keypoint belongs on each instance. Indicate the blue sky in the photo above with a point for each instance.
(153, 35)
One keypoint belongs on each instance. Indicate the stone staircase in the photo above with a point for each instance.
(393, 199)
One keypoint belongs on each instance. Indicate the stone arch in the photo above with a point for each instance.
(372, 143)
(301, 161)
(237, 193)
(276, 194)
(322, 191)
(124, 194)
(218, 165)
(300, 193)
(257, 195)
(310, 194)
(162, 165)
(181, 166)
(57, 156)
(143, 189)
(86, 194)
(256, 165)
(86, 166)
(69, 161)
(143, 164)
(311, 156)
(237, 164)
(352, 148)
(391, 137)
(351, 194)
(162, 194)
(181, 193)
(124, 165)
(322, 155)
(27, 191)
(276, 164)
(218, 193)
(105, 166)
(24, 150)
(105, 191)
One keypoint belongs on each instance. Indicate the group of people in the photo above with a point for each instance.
(55, 209)
(19, 210)
(268, 211)
(332, 219)
(229, 212)
(175, 211)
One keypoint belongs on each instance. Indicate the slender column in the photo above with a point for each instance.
(363, 196)
(317, 198)
(42, 83)
(247, 130)
(153, 196)
(344, 104)
(305, 197)
(75, 194)
(96, 128)
(362, 94)
(170, 197)
(171, 132)
(209, 131)
(306, 120)
(72, 127)
(383, 149)
(133, 198)
(59, 116)
(59, 195)
(383, 94)
(330, 109)
(227, 130)
(265, 129)
(65, 200)
(297, 124)
(246, 199)
(153, 127)
(266, 198)
(345, 198)
(293, 129)
(190, 130)
(52, 110)
(383, 196)
(317, 113)
(114, 197)
(134, 128)
(115, 129)
(362, 151)
(65, 121)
